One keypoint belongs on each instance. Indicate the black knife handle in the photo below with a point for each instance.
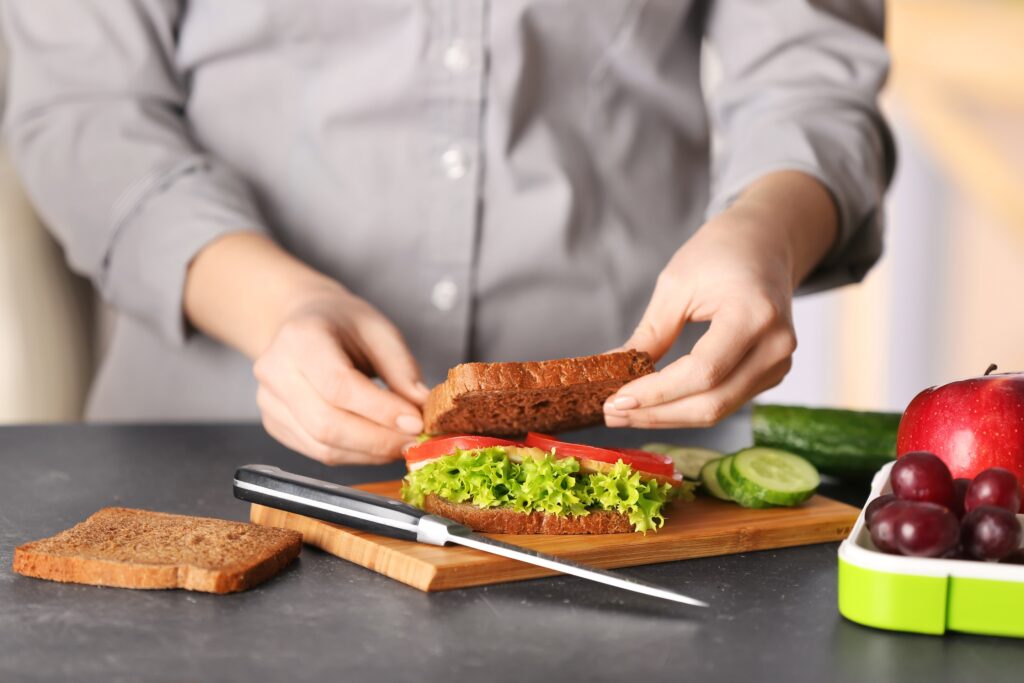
(273, 487)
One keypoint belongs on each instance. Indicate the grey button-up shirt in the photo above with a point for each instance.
(504, 179)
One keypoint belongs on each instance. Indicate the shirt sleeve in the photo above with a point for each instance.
(799, 87)
(95, 124)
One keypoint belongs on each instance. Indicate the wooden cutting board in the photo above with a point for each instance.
(699, 528)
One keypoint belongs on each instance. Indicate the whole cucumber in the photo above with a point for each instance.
(842, 443)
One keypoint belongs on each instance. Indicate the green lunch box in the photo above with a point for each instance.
(926, 595)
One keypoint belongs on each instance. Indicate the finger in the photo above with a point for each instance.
(281, 423)
(733, 332)
(662, 321)
(705, 409)
(319, 452)
(339, 384)
(338, 428)
(282, 433)
(389, 355)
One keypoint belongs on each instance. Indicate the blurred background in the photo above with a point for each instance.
(942, 304)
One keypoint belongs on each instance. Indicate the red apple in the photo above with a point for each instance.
(972, 425)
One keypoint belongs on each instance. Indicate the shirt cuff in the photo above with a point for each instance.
(850, 174)
(165, 223)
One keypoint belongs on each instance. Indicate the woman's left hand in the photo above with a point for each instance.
(738, 272)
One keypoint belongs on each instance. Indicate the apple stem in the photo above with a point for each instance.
(991, 368)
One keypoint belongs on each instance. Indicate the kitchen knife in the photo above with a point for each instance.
(273, 487)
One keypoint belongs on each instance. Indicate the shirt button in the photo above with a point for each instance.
(455, 163)
(456, 57)
(444, 294)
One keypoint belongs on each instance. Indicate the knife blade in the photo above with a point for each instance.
(273, 487)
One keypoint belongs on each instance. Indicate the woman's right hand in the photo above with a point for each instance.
(315, 392)
(314, 345)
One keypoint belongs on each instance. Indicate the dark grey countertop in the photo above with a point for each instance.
(774, 614)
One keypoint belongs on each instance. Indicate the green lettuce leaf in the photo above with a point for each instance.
(488, 478)
(621, 489)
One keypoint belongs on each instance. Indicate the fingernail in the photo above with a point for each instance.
(624, 403)
(615, 421)
(410, 424)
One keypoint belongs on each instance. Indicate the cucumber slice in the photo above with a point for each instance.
(687, 459)
(709, 479)
(723, 475)
(725, 479)
(732, 485)
(771, 476)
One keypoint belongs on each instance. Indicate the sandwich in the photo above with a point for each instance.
(491, 467)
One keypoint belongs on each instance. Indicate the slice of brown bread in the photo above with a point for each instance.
(505, 399)
(508, 521)
(130, 548)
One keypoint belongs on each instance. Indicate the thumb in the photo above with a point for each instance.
(661, 323)
(391, 358)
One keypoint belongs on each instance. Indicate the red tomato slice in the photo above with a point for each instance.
(635, 458)
(649, 462)
(664, 460)
(446, 445)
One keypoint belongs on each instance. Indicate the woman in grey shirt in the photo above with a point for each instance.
(329, 191)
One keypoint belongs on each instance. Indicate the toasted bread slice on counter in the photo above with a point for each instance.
(129, 548)
(545, 396)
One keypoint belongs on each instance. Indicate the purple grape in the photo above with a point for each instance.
(960, 487)
(922, 477)
(955, 553)
(926, 530)
(883, 526)
(990, 533)
(877, 504)
(996, 487)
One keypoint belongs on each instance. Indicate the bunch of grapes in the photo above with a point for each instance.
(930, 514)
